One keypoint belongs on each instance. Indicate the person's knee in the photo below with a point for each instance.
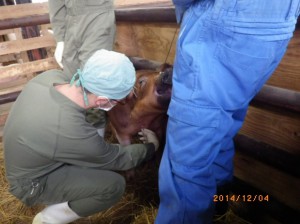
(118, 188)
(102, 199)
(112, 192)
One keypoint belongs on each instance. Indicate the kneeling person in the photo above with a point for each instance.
(53, 156)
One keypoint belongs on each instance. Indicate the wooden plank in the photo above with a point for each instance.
(16, 71)
(1, 132)
(8, 91)
(267, 154)
(287, 73)
(29, 9)
(138, 3)
(277, 128)
(146, 38)
(11, 35)
(4, 111)
(23, 56)
(23, 10)
(141, 63)
(26, 44)
(5, 107)
(3, 118)
(162, 38)
(146, 14)
(282, 186)
(46, 30)
(260, 212)
(25, 21)
(126, 40)
(7, 58)
(9, 97)
(141, 13)
(279, 97)
(7, 31)
(13, 82)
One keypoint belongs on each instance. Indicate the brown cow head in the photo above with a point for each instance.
(146, 108)
(153, 90)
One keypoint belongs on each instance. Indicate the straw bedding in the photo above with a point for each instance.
(138, 205)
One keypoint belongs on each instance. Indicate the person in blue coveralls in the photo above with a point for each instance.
(226, 51)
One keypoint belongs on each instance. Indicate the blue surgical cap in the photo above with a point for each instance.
(107, 73)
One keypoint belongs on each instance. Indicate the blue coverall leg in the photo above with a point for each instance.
(226, 51)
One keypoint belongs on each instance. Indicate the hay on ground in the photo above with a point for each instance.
(137, 206)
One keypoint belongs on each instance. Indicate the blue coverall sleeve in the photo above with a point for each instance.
(180, 7)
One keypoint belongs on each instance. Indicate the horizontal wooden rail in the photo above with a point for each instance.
(269, 95)
(14, 46)
(23, 10)
(268, 154)
(7, 31)
(256, 211)
(12, 72)
(9, 97)
(279, 97)
(151, 15)
(25, 21)
(279, 184)
(165, 14)
(141, 63)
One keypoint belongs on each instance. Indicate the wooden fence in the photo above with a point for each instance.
(268, 146)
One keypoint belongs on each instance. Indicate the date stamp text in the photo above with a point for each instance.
(241, 198)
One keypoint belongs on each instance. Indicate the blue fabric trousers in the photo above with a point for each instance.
(226, 51)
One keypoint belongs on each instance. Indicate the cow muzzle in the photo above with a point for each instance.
(164, 87)
(164, 82)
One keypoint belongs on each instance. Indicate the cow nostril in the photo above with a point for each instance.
(167, 79)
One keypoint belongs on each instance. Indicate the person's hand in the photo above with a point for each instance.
(59, 52)
(148, 136)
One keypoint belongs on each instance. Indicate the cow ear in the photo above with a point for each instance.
(165, 66)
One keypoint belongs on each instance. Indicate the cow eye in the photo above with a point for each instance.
(142, 82)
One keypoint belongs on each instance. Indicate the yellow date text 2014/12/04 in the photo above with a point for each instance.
(241, 197)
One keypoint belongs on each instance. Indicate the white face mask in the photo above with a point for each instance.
(107, 108)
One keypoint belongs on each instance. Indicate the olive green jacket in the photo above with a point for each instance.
(84, 26)
(46, 130)
(59, 10)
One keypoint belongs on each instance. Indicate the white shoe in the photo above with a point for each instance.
(38, 219)
(56, 214)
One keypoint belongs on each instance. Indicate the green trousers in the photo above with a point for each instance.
(87, 190)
